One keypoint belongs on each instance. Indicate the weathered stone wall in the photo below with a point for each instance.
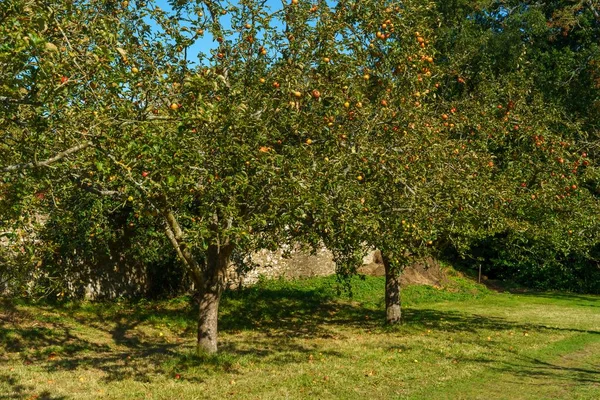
(274, 265)
(302, 264)
(115, 276)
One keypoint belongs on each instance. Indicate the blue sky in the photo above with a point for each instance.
(204, 45)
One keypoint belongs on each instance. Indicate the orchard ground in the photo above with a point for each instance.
(302, 339)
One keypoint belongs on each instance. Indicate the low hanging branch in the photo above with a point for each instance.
(185, 255)
(49, 161)
(172, 228)
(176, 236)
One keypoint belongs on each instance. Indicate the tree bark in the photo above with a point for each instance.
(208, 303)
(209, 296)
(49, 161)
(209, 279)
(393, 309)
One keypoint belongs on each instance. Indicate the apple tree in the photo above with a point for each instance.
(95, 98)
(443, 139)
(399, 170)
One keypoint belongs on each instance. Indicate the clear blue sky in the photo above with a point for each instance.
(204, 45)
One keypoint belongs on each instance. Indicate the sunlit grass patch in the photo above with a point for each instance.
(307, 339)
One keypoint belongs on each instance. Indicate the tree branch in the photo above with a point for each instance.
(175, 235)
(590, 4)
(49, 161)
(172, 228)
(4, 99)
(88, 187)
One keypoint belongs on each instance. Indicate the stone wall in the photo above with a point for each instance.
(274, 265)
(303, 264)
(115, 276)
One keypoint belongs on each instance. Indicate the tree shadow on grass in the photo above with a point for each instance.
(57, 345)
(456, 321)
(16, 390)
(112, 345)
(293, 312)
(310, 313)
(534, 367)
(280, 315)
(232, 354)
(8, 311)
(38, 341)
(581, 300)
(537, 371)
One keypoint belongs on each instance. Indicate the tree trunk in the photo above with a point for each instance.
(209, 295)
(393, 310)
(209, 278)
(208, 303)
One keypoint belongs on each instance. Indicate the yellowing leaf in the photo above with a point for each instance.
(122, 52)
(51, 47)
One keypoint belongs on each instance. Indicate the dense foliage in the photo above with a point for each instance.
(539, 63)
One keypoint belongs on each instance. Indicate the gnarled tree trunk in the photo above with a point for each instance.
(393, 309)
(209, 279)
(209, 295)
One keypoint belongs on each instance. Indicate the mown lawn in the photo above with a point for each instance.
(303, 340)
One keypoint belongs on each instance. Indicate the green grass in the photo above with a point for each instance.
(304, 340)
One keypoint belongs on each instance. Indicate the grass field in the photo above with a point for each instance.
(302, 340)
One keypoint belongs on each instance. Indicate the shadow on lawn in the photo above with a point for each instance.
(540, 372)
(581, 300)
(536, 368)
(298, 313)
(17, 390)
(455, 321)
(281, 315)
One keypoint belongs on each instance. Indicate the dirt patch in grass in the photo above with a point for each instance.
(425, 272)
